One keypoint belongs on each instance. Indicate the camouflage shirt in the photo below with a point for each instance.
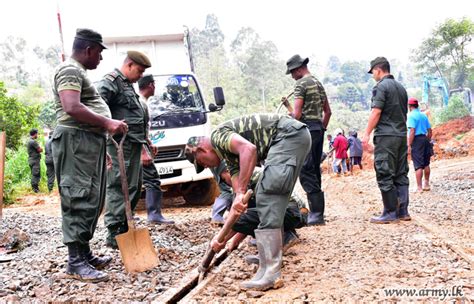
(313, 94)
(259, 129)
(71, 75)
(391, 97)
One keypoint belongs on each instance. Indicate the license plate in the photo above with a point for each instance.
(165, 170)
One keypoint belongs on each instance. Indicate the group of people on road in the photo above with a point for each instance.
(286, 147)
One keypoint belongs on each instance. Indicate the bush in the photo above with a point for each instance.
(16, 119)
(455, 109)
(18, 174)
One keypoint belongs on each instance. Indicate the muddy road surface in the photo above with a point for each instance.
(348, 259)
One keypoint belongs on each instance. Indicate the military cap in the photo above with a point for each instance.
(377, 61)
(295, 62)
(145, 80)
(89, 35)
(139, 58)
(190, 152)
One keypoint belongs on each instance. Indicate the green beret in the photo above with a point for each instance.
(89, 35)
(139, 58)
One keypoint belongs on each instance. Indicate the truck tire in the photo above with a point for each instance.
(201, 193)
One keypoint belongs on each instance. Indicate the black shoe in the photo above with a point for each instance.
(290, 238)
(79, 268)
(97, 262)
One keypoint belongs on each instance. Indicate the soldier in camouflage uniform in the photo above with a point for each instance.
(388, 117)
(311, 107)
(34, 158)
(124, 104)
(78, 147)
(151, 178)
(282, 143)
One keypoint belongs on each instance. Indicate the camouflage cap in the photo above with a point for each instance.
(89, 35)
(295, 62)
(190, 152)
(139, 58)
(376, 61)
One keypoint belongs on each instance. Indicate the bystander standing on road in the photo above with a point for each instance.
(49, 162)
(311, 107)
(388, 117)
(340, 150)
(151, 178)
(79, 153)
(34, 159)
(419, 137)
(116, 88)
(355, 150)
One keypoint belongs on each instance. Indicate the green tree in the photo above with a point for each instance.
(354, 72)
(446, 52)
(16, 119)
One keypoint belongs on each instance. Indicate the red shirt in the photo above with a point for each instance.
(340, 146)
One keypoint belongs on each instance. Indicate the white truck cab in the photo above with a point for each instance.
(177, 110)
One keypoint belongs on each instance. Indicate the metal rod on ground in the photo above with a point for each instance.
(3, 141)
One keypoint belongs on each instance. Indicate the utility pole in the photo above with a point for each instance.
(63, 53)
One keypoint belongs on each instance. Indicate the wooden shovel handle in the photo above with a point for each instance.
(229, 222)
(123, 179)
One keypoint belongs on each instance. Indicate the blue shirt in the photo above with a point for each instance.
(419, 121)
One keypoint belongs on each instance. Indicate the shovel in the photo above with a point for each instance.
(136, 248)
(221, 237)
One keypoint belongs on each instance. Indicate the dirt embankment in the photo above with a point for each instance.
(454, 138)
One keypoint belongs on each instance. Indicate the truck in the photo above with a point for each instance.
(177, 110)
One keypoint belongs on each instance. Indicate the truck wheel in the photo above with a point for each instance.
(202, 192)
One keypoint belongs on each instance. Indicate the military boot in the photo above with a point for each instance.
(153, 207)
(112, 232)
(97, 262)
(79, 268)
(404, 199)
(390, 205)
(316, 208)
(269, 244)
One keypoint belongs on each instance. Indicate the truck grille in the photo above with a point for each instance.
(170, 154)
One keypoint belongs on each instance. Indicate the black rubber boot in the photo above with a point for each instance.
(316, 209)
(404, 199)
(153, 207)
(79, 268)
(97, 262)
(113, 231)
(390, 204)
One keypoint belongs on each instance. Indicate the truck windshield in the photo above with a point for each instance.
(175, 94)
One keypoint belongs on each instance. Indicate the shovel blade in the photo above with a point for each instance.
(137, 250)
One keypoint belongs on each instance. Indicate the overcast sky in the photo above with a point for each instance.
(352, 30)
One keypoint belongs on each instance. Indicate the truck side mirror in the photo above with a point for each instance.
(219, 96)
